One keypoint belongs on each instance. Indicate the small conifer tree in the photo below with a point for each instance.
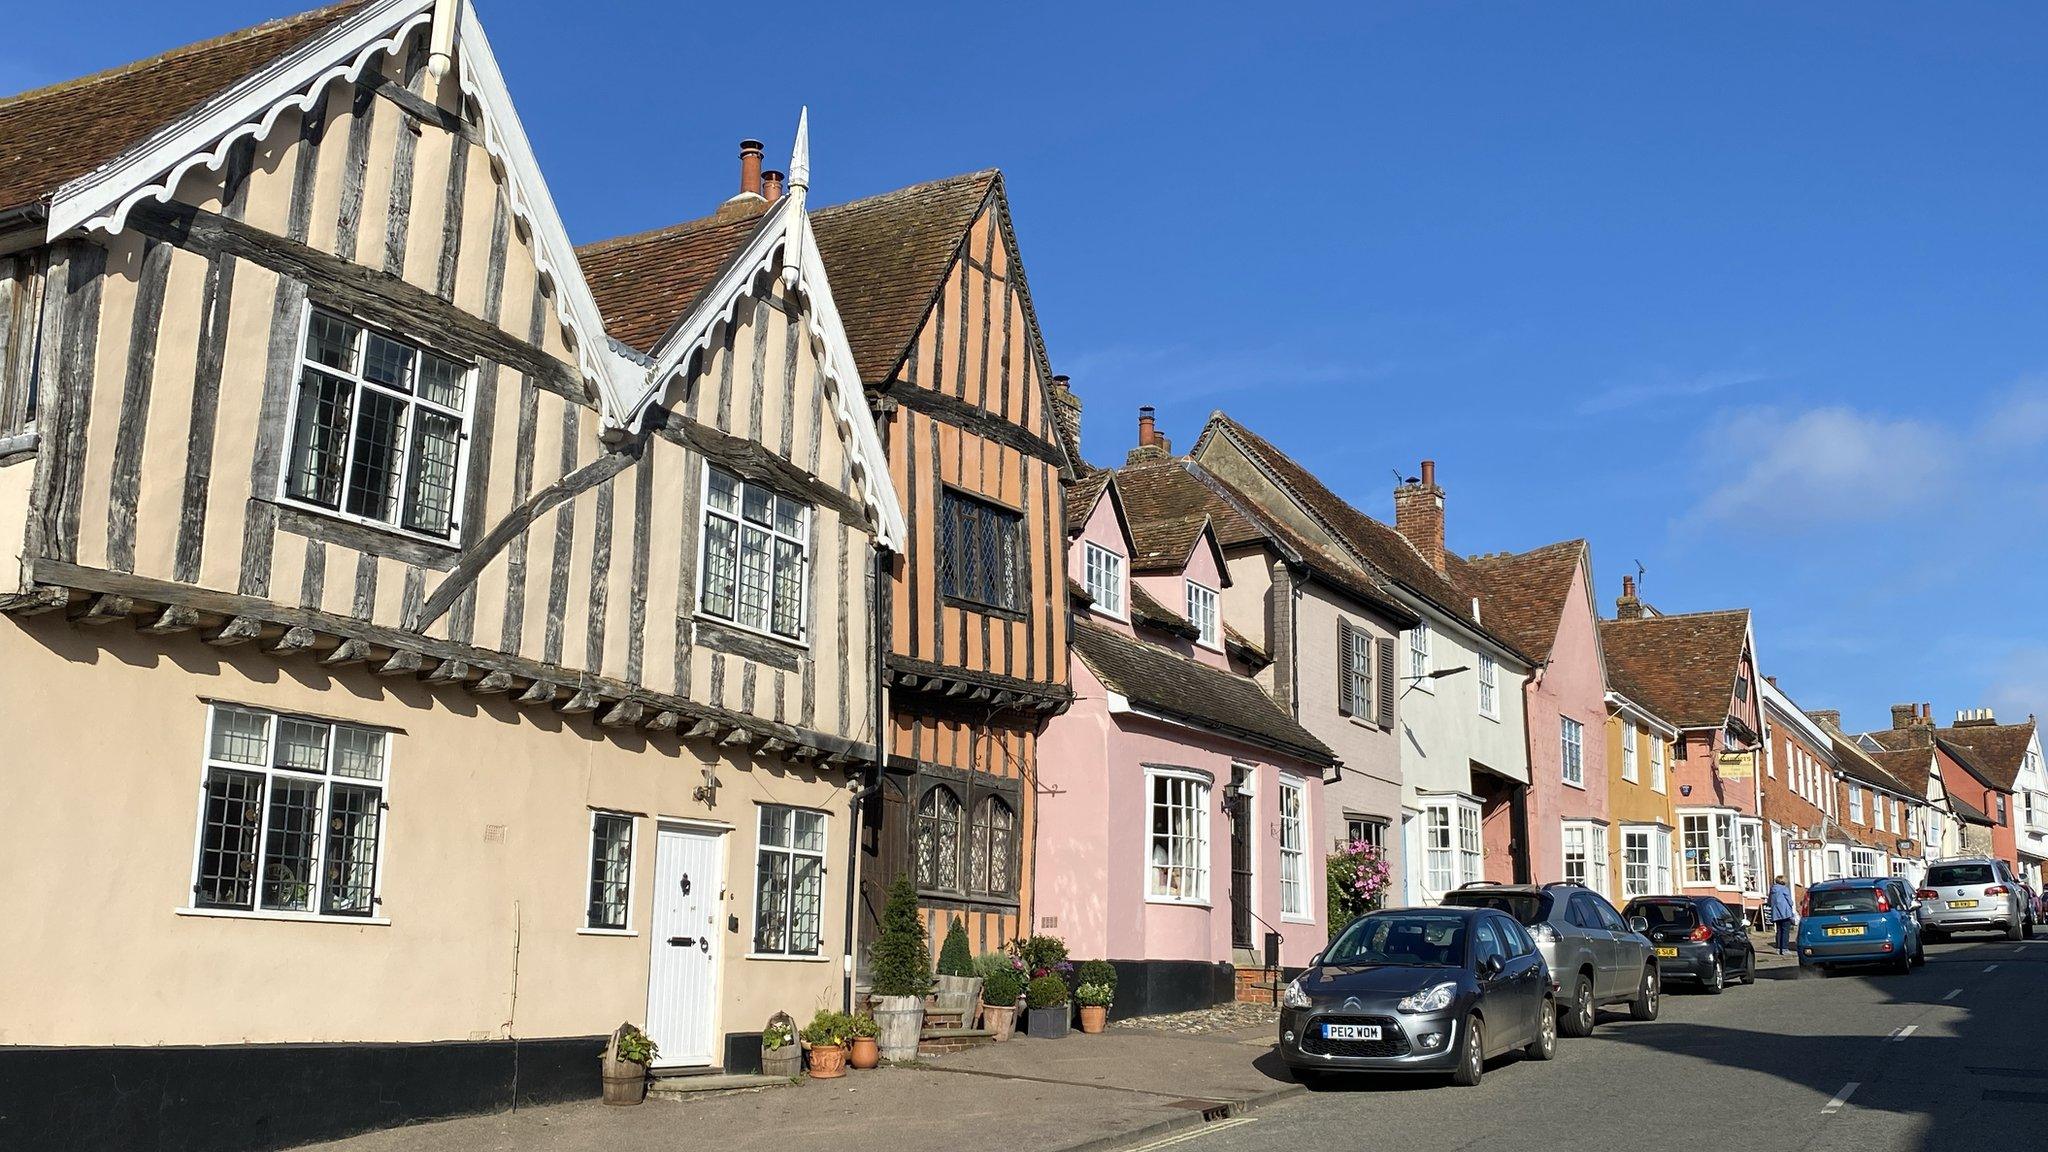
(902, 958)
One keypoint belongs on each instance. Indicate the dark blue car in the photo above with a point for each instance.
(1860, 920)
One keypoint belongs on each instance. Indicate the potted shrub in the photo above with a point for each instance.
(1094, 1000)
(1095, 972)
(825, 1037)
(1046, 998)
(1001, 988)
(958, 985)
(626, 1057)
(1039, 955)
(780, 1055)
(861, 1050)
(902, 966)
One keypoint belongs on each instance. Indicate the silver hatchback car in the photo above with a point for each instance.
(1595, 957)
(1974, 894)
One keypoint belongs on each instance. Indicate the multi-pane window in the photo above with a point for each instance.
(1577, 869)
(1628, 752)
(1365, 830)
(292, 814)
(789, 881)
(1855, 804)
(1656, 763)
(1354, 673)
(1451, 848)
(1660, 860)
(989, 838)
(965, 848)
(1864, 862)
(979, 545)
(1635, 863)
(1418, 654)
(377, 428)
(938, 838)
(1696, 839)
(611, 872)
(1727, 858)
(756, 556)
(1202, 614)
(1572, 750)
(1489, 687)
(1105, 575)
(1179, 868)
(1469, 851)
(1293, 849)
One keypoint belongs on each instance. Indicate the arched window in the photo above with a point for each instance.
(989, 850)
(938, 839)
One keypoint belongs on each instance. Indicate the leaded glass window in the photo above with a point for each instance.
(979, 546)
(789, 882)
(938, 839)
(756, 556)
(611, 872)
(988, 847)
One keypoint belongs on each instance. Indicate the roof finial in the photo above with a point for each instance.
(799, 185)
(441, 40)
(800, 152)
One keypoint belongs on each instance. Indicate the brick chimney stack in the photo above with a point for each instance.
(1151, 445)
(1066, 414)
(1904, 716)
(1419, 515)
(1828, 718)
(1626, 606)
(750, 167)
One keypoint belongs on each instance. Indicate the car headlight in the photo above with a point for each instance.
(1429, 1000)
(1292, 996)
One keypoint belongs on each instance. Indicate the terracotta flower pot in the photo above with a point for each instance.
(828, 1061)
(864, 1053)
(1094, 1017)
(1000, 1020)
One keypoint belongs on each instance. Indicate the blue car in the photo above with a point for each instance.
(1863, 920)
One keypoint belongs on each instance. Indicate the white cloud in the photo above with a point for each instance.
(2020, 419)
(1824, 468)
(2019, 687)
(1622, 396)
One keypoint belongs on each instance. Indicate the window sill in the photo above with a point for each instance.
(1627, 779)
(1309, 920)
(284, 917)
(1493, 716)
(778, 957)
(607, 932)
(966, 605)
(1579, 784)
(312, 520)
(1177, 902)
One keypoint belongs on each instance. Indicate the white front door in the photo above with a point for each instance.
(682, 979)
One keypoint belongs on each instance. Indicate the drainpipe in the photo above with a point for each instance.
(872, 776)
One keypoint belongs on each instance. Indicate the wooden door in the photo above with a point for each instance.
(682, 975)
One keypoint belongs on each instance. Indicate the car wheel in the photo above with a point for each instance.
(1920, 954)
(1902, 965)
(2027, 929)
(1749, 967)
(1472, 1060)
(1544, 1046)
(1932, 937)
(1714, 980)
(1644, 1006)
(2012, 930)
(1580, 1014)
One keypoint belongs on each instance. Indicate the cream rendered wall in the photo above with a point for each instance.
(1370, 780)
(15, 481)
(105, 733)
(1444, 733)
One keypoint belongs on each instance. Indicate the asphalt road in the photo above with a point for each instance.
(1951, 1057)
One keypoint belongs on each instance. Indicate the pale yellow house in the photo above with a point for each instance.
(387, 658)
(1639, 757)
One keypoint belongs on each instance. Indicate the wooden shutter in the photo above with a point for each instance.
(1386, 670)
(1347, 642)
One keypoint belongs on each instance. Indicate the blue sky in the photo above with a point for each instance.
(1749, 293)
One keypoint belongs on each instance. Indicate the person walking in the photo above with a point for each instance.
(1782, 910)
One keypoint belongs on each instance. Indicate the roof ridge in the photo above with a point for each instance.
(1675, 616)
(9, 103)
(711, 219)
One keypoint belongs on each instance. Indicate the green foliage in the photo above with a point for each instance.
(777, 1035)
(828, 1029)
(1047, 991)
(1002, 986)
(1091, 995)
(955, 958)
(902, 958)
(860, 1024)
(1095, 972)
(1040, 954)
(637, 1046)
(989, 963)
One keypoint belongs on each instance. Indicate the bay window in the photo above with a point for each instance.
(1696, 840)
(1452, 848)
(1585, 854)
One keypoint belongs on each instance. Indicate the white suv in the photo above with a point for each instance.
(1974, 894)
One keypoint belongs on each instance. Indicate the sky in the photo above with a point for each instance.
(1751, 295)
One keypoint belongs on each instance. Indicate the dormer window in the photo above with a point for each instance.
(1202, 614)
(1105, 579)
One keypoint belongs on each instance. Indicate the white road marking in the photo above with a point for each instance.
(1190, 1134)
(1991, 968)
(1953, 993)
(1901, 1033)
(1835, 1105)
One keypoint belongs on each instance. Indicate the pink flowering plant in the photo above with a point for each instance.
(1358, 876)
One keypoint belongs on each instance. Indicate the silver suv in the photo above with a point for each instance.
(1594, 956)
(1974, 894)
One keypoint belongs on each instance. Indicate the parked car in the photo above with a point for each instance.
(1698, 939)
(1419, 990)
(1594, 956)
(1860, 920)
(1973, 894)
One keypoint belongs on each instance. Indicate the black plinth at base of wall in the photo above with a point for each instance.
(256, 1097)
(1156, 987)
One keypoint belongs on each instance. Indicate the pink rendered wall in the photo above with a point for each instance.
(1075, 821)
(1573, 685)
(1103, 528)
(1170, 589)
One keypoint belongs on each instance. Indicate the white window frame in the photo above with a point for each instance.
(1728, 846)
(1196, 862)
(1457, 818)
(1571, 753)
(270, 773)
(1657, 783)
(1489, 687)
(412, 400)
(1638, 837)
(1629, 771)
(1865, 862)
(1661, 862)
(1575, 840)
(1420, 663)
(1749, 854)
(632, 872)
(789, 854)
(1205, 612)
(1295, 891)
(740, 526)
(1689, 875)
(1855, 803)
(1359, 829)
(1110, 599)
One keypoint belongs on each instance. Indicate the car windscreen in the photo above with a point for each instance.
(1419, 939)
(1958, 875)
(1527, 907)
(1834, 901)
(1663, 914)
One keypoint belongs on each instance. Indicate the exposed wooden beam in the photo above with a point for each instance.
(737, 738)
(295, 639)
(580, 701)
(402, 662)
(239, 630)
(346, 653)
(622, 714)
(538, 692)
(700, 729)
(176, 618)
(774, 744)
(104, 609)
(448, 672)
(37, 601)
(663, 721)
(491, 684)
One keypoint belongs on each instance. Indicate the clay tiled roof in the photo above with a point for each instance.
(1907, 766)
(1167, 507)
(1994, 753)
(1523, 593)
(1147, 610)
(1081, 497)
(1680, 667)
(1864, 766)
(57, 134)
(887, 256)
(1383, 549)
(1189, 690)
(1969, 812)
